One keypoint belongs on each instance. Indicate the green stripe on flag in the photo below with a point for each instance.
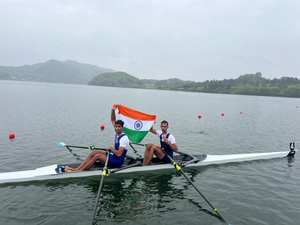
(135, 135)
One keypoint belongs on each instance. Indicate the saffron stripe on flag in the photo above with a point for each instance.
(136, 115)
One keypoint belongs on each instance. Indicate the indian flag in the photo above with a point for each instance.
(136, 124)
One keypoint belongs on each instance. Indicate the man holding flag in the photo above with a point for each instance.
(117, 153)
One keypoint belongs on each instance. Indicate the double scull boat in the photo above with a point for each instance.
(132, 164)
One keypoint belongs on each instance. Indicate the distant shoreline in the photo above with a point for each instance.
(182, 90)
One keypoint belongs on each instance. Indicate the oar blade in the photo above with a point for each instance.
(61, 144)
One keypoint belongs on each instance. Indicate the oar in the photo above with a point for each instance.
(145, 145)
(135, 151)
(70, 146)
(104, 173)
(176, 165)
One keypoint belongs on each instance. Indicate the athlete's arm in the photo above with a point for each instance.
(174, 147)
(124, 144)
(112, 114)
(116, 152)
(152, 130)
(172, 143)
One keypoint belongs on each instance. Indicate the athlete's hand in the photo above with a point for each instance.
(115, 106)
(110, 148)
(166, 141)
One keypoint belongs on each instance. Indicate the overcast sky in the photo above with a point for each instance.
(192, 40)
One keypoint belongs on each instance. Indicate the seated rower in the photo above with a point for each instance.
(167, 142)
(118, 153)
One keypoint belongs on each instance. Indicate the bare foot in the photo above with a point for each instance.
(69, 169)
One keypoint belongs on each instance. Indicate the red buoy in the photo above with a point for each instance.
(11, 136)
(102, 126)
(222, 114)
(199, 116)
(241, 112)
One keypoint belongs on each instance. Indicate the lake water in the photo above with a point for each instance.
(257, 192)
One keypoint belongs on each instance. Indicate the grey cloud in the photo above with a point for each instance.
(190, 40)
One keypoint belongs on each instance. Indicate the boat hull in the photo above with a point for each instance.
(50, 172)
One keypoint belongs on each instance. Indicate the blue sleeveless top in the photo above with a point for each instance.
(115, 161)
(166, 147)
(117, 145)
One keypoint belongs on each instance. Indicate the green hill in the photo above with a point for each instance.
(116, 79)
(53, 71)
(248, 84)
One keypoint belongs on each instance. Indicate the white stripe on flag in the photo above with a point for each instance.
(135, 124)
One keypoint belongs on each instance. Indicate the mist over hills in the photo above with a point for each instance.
(54, 71)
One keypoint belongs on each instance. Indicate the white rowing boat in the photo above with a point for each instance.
(134, 165)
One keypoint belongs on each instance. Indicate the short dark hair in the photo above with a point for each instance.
(164, 121)
(120, 122)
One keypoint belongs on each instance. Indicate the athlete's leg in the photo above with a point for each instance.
(98, 157)
(153, 150)
(90, 158)
(94, 152)
(147, 151)
(148, 154)
(158, 152)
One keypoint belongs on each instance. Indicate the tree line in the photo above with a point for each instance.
(248, 84)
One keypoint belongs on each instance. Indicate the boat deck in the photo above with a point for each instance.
(183, 159)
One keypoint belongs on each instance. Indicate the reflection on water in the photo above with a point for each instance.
(141, 197)
(130, 197)
(291, 160)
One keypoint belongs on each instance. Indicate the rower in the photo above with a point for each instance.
(167, 141)
(117, 153)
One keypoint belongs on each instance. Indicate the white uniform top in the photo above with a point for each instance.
(124, 142)
(171, 138)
